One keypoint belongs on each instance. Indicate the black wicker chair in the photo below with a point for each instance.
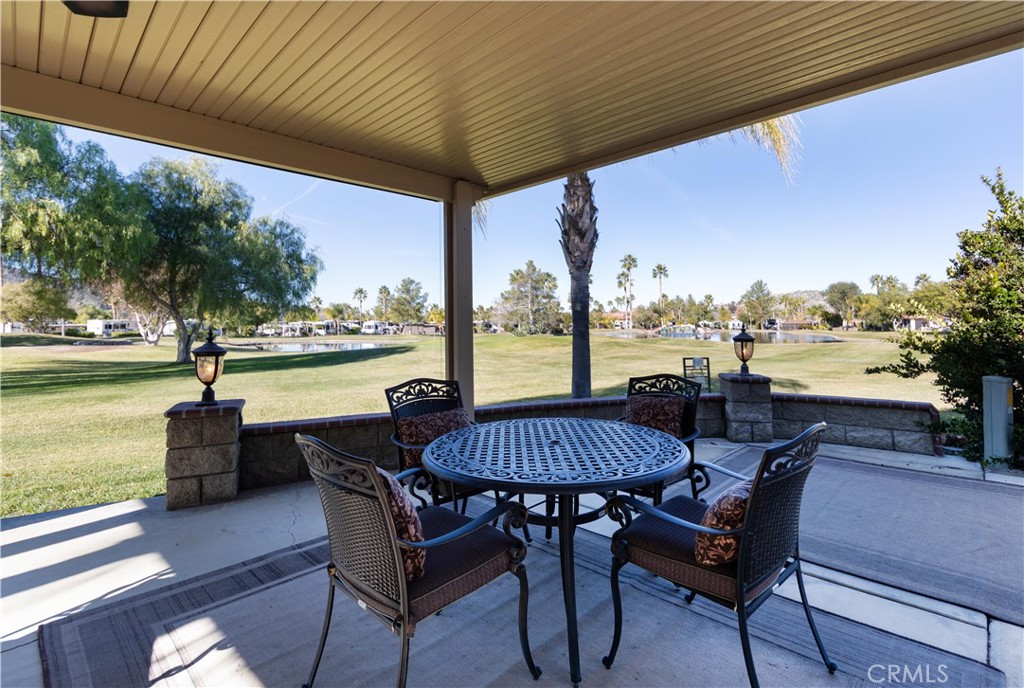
(419, 398)
(366, 553)
(669, 387)
(664, 541)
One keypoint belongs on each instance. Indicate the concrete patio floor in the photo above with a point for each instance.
(58, 563)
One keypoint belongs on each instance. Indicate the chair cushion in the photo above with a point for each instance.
(407, 525)
(426, 428)
(663, 413)
(727, 513)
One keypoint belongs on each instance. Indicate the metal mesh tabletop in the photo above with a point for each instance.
(555, 455)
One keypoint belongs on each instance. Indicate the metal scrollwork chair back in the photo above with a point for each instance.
(421, 398)
(668, 387)
(367, 559)
(746, 555)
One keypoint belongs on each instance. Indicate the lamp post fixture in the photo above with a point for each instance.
(743, 344)
(209, 365)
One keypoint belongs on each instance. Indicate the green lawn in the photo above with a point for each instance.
(84, 424)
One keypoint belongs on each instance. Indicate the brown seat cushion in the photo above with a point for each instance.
(667, 550)
(727, 513)
(407, 525)
(663, 413)
(426, 428)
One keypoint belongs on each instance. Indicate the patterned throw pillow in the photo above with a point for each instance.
(727, 513)
(425, 429)
(407, 524)
(660, 413)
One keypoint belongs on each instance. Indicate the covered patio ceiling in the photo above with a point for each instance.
(414, 96)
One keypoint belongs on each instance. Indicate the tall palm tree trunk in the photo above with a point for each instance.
(578, 222)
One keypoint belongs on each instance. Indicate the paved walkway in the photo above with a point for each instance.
(58, 563)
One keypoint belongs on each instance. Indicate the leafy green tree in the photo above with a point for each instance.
(936, 298)
(987, 333)
(35, 302)
(646, 317)
(435, 314)
(758, 303)
(200, 255)
(724, 314)
(409, 302)
(530, 305)
(578, 223)
(840, 296)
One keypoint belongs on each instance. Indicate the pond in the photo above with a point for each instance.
(306, 347)
(761, 337)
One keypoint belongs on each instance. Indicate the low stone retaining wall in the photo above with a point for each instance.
(205, 463)
(269, 455)
(876, 423)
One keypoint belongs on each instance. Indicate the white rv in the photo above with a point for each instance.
(101, 327)
(375, 327)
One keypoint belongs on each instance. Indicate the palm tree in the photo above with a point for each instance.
(359, 295)
(317, 303)
(921, 280)
(629, 264)
(578, 222)
(383, 299)
(659, 272)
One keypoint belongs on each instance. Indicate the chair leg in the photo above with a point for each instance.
(526, 526)
(403, 667)
(689, 597)
(524, 604)
(617, 563)
(748, 656)
(323, 634)
(829, 664)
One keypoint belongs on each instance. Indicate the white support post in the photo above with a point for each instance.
(458, 288)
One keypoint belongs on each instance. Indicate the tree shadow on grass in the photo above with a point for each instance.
(75, 374)
(788, 384)
(610, 391)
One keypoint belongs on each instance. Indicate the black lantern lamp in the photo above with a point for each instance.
(209, 365)
(743, 343)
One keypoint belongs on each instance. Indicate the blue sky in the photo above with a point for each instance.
(884, 182)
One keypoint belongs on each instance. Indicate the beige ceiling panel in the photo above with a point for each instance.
(393, 48)
(436, 73)
(277, 26)
(214, 50)
(151, 51)
(358, 43)
(191, 16)
(76, 46)
(53, 29)
(126, 45)
(7, 33)
(97, 59)
(316, 37)
(196, 50)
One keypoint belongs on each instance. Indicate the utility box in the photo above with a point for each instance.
(997, 395)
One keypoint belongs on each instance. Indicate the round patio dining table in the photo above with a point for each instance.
(563, 457)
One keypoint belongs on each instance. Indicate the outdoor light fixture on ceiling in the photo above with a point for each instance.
(105, 9)
(743, 343)
(209, 365)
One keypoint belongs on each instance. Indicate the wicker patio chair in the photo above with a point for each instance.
(403, 565)
(734, 552)
(422, 410)
(668, 403)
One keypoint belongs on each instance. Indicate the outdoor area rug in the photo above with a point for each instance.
(955, 539)
(258, 622)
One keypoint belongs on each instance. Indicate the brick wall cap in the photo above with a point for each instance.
(752, 379)
(192, 409)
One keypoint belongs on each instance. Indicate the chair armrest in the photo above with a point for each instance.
(619, 508)
(691, 437)
(621, 419)
(405, 445)
(418, 471)
(724, 471)
(515, 519)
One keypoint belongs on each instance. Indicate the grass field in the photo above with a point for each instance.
(84, 424)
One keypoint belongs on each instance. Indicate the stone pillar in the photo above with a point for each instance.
(748, 407)
(202, 453)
